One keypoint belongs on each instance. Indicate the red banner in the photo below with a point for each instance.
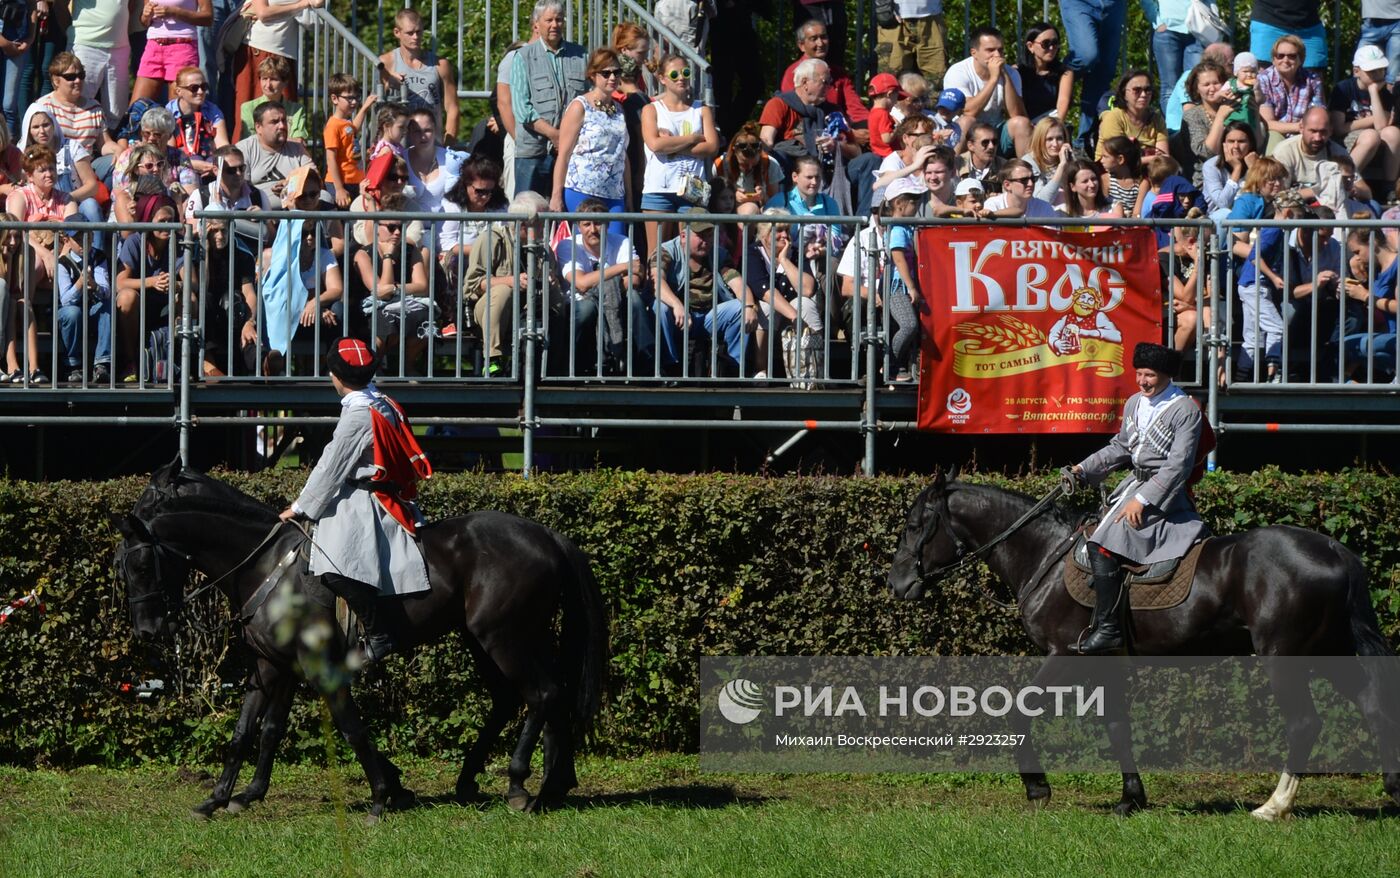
(1031, 330)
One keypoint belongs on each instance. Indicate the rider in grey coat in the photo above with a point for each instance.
(1150, 515)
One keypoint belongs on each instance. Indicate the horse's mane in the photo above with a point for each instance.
(197, 492)
(1056, 511)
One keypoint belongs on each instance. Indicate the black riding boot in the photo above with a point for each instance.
(363, 600)
(1107, 636)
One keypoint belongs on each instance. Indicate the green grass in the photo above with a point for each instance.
(659, 816)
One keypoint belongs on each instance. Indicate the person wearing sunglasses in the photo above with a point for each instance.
(200, 126)
(754, 174)
(681, 139)
(593, 160)
(1016, 198)
(1287, 88)
(548, 73)
(1047, 84)
(1135, 116)
(81, 118)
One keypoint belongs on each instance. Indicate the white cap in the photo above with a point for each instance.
(1246, 60)
(1369, 58)
(967, 187)
(904, 186)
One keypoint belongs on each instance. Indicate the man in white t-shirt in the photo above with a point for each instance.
(1017, 182)
(993, 90)
(602, 272)
(859, 250)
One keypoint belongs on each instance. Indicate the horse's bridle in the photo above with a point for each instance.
(157, 549)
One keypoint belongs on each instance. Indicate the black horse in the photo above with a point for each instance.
(1273, 591)
(498, 579)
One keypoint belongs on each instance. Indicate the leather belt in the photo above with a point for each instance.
(171, 41)
(1143, 475)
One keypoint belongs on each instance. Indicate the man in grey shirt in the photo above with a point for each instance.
(271, 158)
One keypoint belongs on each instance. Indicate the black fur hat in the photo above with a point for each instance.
(1158, 358)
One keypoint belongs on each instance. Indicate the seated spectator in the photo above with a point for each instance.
(794, 122)
(230, 189)
(1086, 197)
(1179, 265)
(157, 128)
(1260, 288)
(1047, 84)
(391, 123)
(398, 302)
(11, 162)
(497, 279)
(81, 119)
(1302, 154)
(1363, 115)
(1016, 198)
(1370, 350)
(910, 138)
(270, 156)
(1205, 120)
(787, 293)
(1121, 160)
(1311, 308)
(75, 175)
(1287, 90)
(941, 180)
(423, 80)
(171, 44)
(229, 276)
(915, 98)
(1134, 116)
(1341, 192)
(274, 72)
(681, 140)
(345, 168)
(301, 284)
(905, 299)
(814, 41)
(1157, 171)
(1223, 173)
(946, 112)
(592, 160)
(969, 201)
(478, 190)
(147, 282)
(981, 162)
(433, 169)
(15, 310)
(85, 312)
(384, 180)
(755, 176)
(200, 126)
(805, 198)
(144, 171)
(993, 91)
(605, 276)
(1221, 54)
(689, 296)
(884, 92)
(866, 249)
(1050, 157)
(41, 201)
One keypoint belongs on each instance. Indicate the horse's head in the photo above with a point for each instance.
(928, 542)
(154, 576)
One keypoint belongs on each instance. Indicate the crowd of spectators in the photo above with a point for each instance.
(149, 112)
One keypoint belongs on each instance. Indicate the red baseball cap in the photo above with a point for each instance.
(884, 82)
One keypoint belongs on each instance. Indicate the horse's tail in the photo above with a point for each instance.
(1365, 626)
(583, 637)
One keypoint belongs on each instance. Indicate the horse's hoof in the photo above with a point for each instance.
(1270, 813)
(1038, 796)
(1039, 803)
(467, 796)
(403, 800)
(204, 810)
(238, 805)
(518, 801)
(201, 815)
(1128, 808)
(374, 814)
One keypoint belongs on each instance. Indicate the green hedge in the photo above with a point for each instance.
(689, 565)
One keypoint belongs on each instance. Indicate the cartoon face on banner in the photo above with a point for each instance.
(1032, 330)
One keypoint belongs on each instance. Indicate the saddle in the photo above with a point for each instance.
(1158, 586)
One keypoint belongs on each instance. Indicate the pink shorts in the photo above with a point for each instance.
(164, 62)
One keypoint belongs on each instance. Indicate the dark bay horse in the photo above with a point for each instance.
(498, 579)
(1272, 591)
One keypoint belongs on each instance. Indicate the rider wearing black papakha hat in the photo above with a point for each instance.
(361, 496)
(1150, 517)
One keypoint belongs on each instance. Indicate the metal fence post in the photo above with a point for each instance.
(1213, 336)
(187, 335)
(527, 421)
(872, 342)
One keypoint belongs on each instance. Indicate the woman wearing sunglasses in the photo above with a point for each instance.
(593, 159)
(681, 139)
(754, 175)
(1047, 85)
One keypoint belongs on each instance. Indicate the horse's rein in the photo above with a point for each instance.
(186, 599)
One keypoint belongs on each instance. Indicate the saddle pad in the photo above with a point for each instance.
(1141, 595)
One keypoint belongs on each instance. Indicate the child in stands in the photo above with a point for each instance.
(344, 167)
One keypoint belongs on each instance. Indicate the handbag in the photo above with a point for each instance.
(693, 189)
(1204, 22)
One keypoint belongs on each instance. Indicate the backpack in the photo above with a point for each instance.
(886, 12)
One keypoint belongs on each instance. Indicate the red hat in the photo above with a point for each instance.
(352, 361)
(884, 82)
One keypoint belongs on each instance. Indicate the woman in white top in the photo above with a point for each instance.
(681, 138)
(275, 31)
(1086, 197)
(432, 169)
(1050, 158)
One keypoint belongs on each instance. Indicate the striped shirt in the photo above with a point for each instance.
(82, 125)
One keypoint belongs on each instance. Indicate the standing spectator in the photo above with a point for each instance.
(917, 41)
(1265, 179)
(687, 19)
(632, 46)
(1301, 154)
(1173, 46)
(1136, 116)
(593, 160)
(1286, 90)
(993, 90)
(275, 31)
(738, 61)
(424, 80)
(11, 163)
(200, 126)
(506, 108)
(1270, 20)
(831, 13)
(681, 139)
(1095, 32)
(16, 39)
(209, 49)
(1363, 111)
(51, 23)
(345, 168)
(75, 176)
(81, 119)
(547, 74)
(171, 44)
(1047, 85)
(884, 91)
(270, 156)
(1380, 27)
(814, 41)
(1050, 157)
(1223, 174)
(754, 175)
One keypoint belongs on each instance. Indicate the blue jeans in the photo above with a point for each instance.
(535, 173)
(1175, 53)
(70, 333)
(573, 198)
(14, 92)
(1094, 29)
(208, 40)
(728, 316)
(859, 173)
(1386, 34)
